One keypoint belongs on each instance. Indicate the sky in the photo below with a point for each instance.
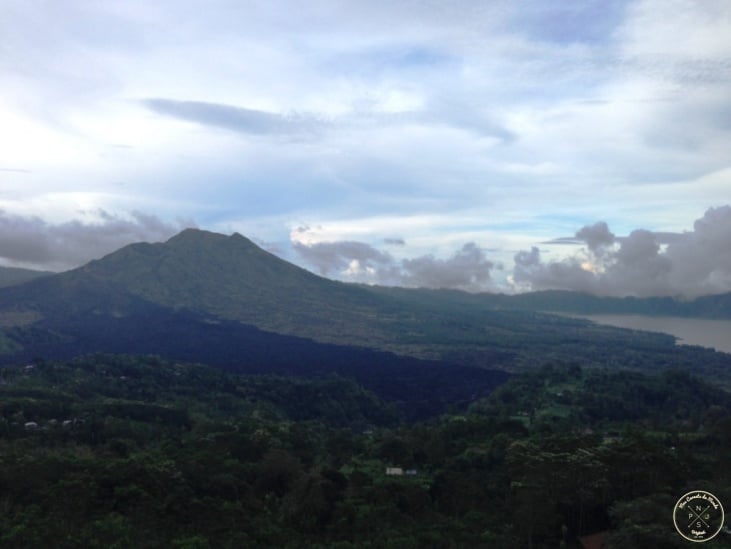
(481, 145)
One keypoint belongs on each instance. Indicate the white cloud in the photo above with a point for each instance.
(466, 269)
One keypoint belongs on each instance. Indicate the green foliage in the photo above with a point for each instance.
(563, 396)
(141, 452)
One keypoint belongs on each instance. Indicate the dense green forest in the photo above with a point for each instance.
(136, 451)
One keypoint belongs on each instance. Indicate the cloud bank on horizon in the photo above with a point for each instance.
(481, 145)
(642, 264)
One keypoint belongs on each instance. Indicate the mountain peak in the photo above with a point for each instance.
(195, 234)
(197, 237)
(227, 275)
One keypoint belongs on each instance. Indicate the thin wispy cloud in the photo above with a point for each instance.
(237, 119)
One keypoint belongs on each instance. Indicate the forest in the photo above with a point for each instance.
(138, 451)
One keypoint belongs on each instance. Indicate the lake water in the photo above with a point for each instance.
(715, 334)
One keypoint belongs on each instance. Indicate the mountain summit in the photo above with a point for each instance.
(209, 273)
(231, 277)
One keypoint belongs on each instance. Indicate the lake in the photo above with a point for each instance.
(715, 334)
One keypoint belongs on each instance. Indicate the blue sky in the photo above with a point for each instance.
(400, 142)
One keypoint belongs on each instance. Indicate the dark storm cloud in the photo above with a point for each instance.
(644, 263)
(467, 269)
(237, 119)
(31, 241)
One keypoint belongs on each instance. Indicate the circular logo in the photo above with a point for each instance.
(698, 516)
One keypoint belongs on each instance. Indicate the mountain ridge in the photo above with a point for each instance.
(232, 277)
(217, 277)
(716, 306)
(11, 276)
(228, 276)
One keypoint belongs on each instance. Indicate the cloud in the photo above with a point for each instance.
(32, 242)
(596, 236)
(638, 268)
(531, 273)
(467, 269)
(329, 257)
(701, 258)
(644, 263)
(237, 119)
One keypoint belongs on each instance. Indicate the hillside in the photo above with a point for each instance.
(226, 276)
(418, 388)
(10, 276)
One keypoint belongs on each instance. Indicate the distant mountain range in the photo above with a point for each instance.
(710, 306)
(219, 299)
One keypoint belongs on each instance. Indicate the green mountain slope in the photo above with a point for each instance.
(10, 276)
(231, 277)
